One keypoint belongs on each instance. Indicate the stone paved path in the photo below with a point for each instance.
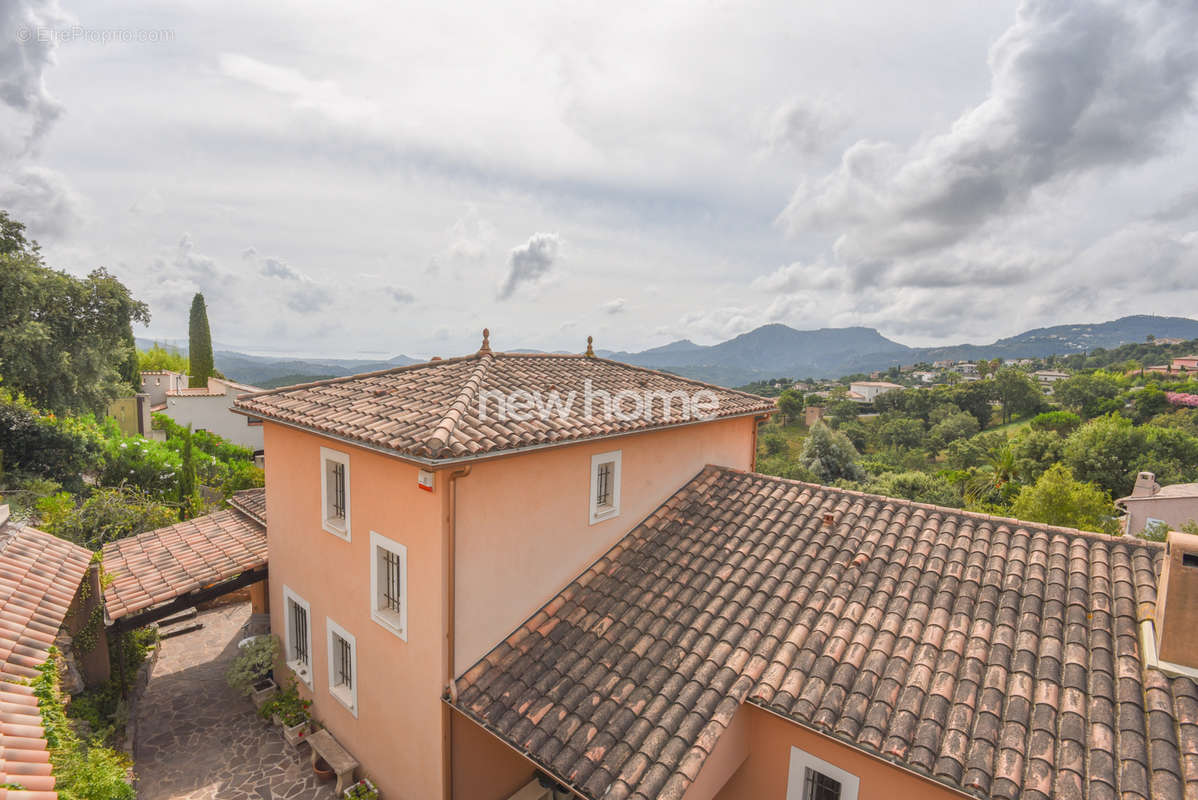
(199, 740)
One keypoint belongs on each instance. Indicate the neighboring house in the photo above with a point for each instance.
(208, 408)
(923, 376)
(472, 598)
(40, 576)
(156, 384)
(1186, 364)
(966, 369)
(1151, 504)
(867, 391)
(1045, 378)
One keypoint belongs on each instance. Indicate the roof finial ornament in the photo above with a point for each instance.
(486, 348)
(590, 348)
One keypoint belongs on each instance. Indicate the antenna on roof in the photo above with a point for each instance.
(590, 349)
(486, 348)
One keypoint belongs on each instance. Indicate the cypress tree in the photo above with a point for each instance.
(187, 478)
(131, 366)
(199, 343)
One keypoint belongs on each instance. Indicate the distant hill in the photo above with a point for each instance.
(271, 371)
(766, 352)
(773, 350)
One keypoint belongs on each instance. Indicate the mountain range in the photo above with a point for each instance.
(769, 351)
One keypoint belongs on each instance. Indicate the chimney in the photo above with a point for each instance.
(1146, 485)
(1177, 602)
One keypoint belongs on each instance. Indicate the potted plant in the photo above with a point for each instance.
(290, 712)
(250, 671)
(295, 726)
(364, 789)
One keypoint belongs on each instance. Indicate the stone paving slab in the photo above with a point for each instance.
(200, 740)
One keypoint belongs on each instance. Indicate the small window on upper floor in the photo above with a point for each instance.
(334, 484)
(389, 584)
(605, 486)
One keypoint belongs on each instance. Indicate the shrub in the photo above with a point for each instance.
(918, 486)
(1058, 498)
(108, 515)
(1063, 422)
(253, 663)
(829, 455)
(39, 444)
(83, 770)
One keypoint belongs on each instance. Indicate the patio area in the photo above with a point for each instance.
(199, 740)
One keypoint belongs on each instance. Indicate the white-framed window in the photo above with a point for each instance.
(605, 486)
(334, 492)
(343, 666)
(297, 635)
(812, 778)
(389, 584)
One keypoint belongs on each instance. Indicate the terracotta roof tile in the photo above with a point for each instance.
(160, 565)
(39, 577)
(995, 656)
(251, 502)
(431, 411)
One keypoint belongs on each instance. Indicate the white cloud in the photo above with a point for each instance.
(530, 262)
(1076, 88)
(323, 96)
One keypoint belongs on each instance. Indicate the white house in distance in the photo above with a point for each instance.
(156, 383)
(206, 408)
(868, 390)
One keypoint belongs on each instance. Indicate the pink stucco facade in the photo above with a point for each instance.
(523, 531)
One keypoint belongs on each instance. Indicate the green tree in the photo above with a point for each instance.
(1016, 392)
(1063, 422)
(1106, 451)
(131, 366)
(1058, 498)
(199, 343)
(829, 455)
(63, 340)
(187, 473)
(951, 427)
(1147, 403)
(1091, 395)
(790, 405)
(976, 398)
(995, 479)
(901, 432)
(1035, 451)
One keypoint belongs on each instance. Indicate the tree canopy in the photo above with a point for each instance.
(64, 341)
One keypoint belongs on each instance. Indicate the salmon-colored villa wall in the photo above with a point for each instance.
(764, 773)
(523, 533)
(397, 734)
(523, 522)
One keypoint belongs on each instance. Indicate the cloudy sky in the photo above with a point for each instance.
(379, 178)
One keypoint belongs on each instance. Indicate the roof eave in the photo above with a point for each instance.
(438, 463)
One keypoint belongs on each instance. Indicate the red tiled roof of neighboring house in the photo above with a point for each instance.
(252, 502)
(998, 657)
(39, 577)
(157, 566)
(430, 411)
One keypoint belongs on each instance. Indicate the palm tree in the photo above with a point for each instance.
(996, 477)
